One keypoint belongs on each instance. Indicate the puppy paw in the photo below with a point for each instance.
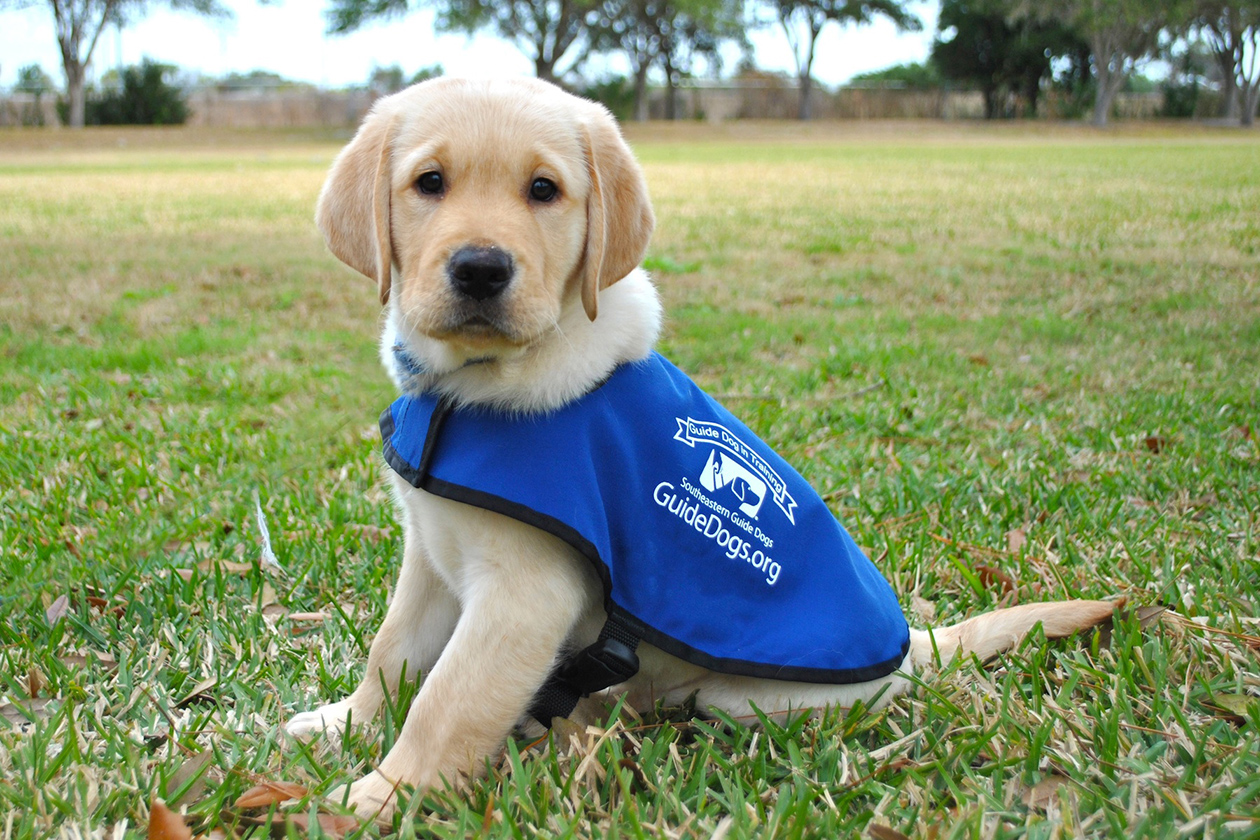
(373, 797)
(331, 719)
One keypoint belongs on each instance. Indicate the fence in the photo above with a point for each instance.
(764, 99)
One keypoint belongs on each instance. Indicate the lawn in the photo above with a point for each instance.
(1022, 363)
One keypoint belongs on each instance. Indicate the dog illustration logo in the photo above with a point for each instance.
(721, 470)
(733, 463)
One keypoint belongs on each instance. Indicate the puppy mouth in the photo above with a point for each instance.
(480, 328)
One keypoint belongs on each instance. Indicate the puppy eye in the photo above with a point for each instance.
(543, 190)
(430, 183)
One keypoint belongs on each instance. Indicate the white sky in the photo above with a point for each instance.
(288, 38)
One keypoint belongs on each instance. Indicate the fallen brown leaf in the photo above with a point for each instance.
(1146, 616)
(192, 769)
(165, 824)
(989, 575)
(269, 793)
(1232, 707)
(58, 609)
(199, 693)
(1041, 794)
(883, 832)
(35, 682)
(229, 567)
(1015, 540)
(89, 657)
(24, 712)
(1156, 444)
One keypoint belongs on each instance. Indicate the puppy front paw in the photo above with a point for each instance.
(373, 797)
(331, 719)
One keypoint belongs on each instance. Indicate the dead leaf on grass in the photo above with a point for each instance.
(228, 567)
(22, 713)
(883, 832)
(192, 769)
(1042, 794)
(1146, 616)
(1015, 540)
(165, 824)
(89, 657)
(115, 608)
(269, 793)
(199, 694)
(1156, 443)
(1232, 707)
(991, 575)
(57, 610)
(35, 682)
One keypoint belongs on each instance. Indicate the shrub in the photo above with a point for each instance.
(143, 96)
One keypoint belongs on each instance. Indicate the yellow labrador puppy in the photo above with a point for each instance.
(579, 520)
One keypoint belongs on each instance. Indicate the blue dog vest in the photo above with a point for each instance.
(709, 545)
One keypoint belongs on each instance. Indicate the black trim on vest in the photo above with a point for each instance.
(420, 478)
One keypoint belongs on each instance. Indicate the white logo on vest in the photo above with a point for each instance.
(746, 474)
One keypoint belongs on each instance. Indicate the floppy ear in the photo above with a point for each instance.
(619, 218)
(353, 207)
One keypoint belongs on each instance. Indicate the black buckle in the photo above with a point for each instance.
(605, 663)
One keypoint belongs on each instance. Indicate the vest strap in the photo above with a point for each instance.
(609, 661)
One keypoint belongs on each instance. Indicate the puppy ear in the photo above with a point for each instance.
(619, 218)
(353, 207)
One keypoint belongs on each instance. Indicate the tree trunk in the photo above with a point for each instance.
(1250, 100)
(640, 92)
(990, 93)
(1109, 66)
(805, 110)
(805, 70)
(76, 81)
(671, 90)
(1229, 84)
(545, 67)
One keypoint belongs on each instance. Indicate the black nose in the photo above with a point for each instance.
(479, 273)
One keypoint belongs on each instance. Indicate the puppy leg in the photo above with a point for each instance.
(512, 627)
(420, 620)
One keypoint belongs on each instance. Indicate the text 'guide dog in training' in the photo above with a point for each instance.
(579, 519)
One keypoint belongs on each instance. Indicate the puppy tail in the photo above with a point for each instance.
(994, 632)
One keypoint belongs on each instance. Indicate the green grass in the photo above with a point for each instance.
(1004, 354)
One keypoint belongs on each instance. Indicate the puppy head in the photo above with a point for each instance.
(481, 207)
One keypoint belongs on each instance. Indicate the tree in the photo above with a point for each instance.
(144, 96)
(1232, 30)
(79, 25)
(547, 30)
(33, 80)
(664, 34)
(1121, 35)
(1000, 54)
(634, 27)
(803, 20)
